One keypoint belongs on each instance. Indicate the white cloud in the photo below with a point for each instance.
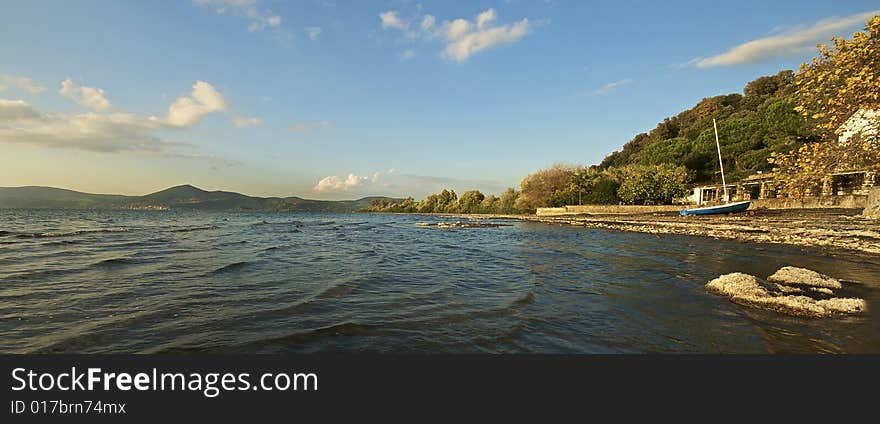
(484, 18)
(109, 132)
(189, 110)
(17, 111)
(334, 184)
(307, 128)
(428, 22)
(90, 97)
(251, 10)
(90, 131)
(609, 87)
(23, 83)
(407, 54)
(390, 20)
(244, 122)
(463, 38)
(313, 32)
(393, 183)
(793, 42)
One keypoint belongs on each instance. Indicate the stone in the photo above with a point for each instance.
(790, 275)
(872, 208)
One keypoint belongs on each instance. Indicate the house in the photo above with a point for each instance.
(711, 194)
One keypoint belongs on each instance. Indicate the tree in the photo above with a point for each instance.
(841, 80)
(805, 171)
(653, 184)
(469, 202)
(547, 187)
(508, 201)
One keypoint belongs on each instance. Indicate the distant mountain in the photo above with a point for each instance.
(184, 197)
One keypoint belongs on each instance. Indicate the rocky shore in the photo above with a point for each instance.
(824, 228)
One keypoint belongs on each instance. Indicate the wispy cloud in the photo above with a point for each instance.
(252, 10)
(245, 122)
(462, 38)
(90, 97)
(407, 54)
(794, 41)
(308, 128)
(23, 83)
(391, 20)
(312, 32)
(607, 88)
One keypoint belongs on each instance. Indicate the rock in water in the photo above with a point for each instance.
(790, 275)
(747, 290)
(738, 285)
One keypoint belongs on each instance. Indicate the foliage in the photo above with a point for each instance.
(751, 126)
(804, 171)
(471, 201)
(841, 80)
(548, 187)
(653, 184)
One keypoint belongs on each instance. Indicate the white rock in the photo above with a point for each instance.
(804, 277)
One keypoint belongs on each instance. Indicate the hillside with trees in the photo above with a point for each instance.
(783, 123)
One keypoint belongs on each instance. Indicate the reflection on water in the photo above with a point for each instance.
(142, 281)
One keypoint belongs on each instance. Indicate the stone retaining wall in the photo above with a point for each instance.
(606, 210)
(850, 201)
(872, 207)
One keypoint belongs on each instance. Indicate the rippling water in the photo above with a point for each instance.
(144, 281)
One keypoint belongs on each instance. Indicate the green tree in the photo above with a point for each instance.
(653, 184)
(470, 201)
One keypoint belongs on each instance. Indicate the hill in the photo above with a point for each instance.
(185, 197)
(751, 126)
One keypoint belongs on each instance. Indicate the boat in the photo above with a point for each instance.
(725, 208)
(728, 207)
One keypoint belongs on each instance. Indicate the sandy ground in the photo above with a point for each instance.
(822, 228)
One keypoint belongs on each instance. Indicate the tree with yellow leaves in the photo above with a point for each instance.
(843, 79)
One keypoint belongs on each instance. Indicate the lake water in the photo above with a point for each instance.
(152, 281)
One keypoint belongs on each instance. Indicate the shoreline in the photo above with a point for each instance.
(826, 229)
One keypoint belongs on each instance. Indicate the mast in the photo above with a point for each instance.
(718, 144)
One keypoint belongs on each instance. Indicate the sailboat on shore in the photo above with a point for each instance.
(728, 207)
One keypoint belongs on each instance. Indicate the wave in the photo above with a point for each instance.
(71, 233)
(189, 229)
(113, 262)
(285, 223)
(229, 268)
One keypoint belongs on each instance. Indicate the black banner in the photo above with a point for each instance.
(421, 387)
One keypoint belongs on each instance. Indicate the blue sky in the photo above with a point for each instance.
(331, 99)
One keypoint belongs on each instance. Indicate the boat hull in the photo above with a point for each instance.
(712, 210)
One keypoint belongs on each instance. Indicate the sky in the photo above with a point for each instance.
(332, 99)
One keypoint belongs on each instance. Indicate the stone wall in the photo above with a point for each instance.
(607, 210)
(872, 206)
(851, 201)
